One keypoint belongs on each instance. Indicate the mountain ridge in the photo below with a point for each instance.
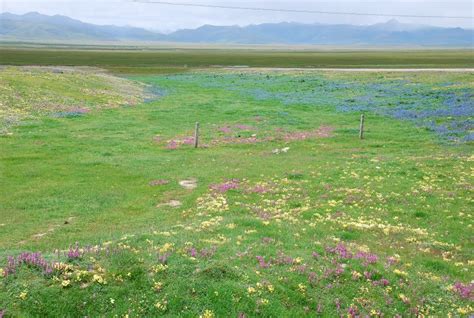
(39, 27)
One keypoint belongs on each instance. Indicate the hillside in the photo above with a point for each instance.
(39, 27)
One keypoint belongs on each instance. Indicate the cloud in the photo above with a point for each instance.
(169, 18)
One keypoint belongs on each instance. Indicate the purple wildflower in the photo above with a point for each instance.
(282, 259)
(192, 252)
(74, 252)
(465, 291)
(391, 261)
(340, 250)
(368, 275)
(203, 253)
(163, 258)
(208, 252)
(172, 145)
(226, 186)
(188, 141)
(225, 130)
(243, 127)
(320, 308)
(262, 263)
(32, 260)
(367, 257)
(353, 311)
(259, 189)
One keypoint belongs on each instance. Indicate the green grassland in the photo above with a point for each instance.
(157, 61)
(293, 215)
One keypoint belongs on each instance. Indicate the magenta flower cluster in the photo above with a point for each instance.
(230, 184)
(74, 252)
(203, 253)
(465, 291)
(33, 260)
(178, 142)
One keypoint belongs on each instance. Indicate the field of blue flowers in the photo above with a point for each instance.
(429, 101)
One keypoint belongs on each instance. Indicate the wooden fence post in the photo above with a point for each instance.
(196, 135)
(361, 130)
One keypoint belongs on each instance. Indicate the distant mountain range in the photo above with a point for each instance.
(38, 27)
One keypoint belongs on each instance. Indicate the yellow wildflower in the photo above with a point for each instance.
(264, 301)
(161, 305)
(166, 247)
(404, 298)
(159, 268)
(158, 286)
(400, 273)
(356, 275)
(207, 314)
(99, 279)
(464, 310)
(301, 287)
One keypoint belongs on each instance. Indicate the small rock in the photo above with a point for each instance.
(172, 203)
(189, 184)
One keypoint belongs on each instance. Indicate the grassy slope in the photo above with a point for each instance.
(29, 92)
(155, 62)
(93, 171)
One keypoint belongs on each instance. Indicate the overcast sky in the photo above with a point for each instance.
(167, 18)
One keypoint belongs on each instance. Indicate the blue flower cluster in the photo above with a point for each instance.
(70, 114)
(445, 108)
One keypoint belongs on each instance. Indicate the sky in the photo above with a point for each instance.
(165, 18)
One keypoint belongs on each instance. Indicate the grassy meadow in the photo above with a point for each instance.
(107, 210)
(155, 60)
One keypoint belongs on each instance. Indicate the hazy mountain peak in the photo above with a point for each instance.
(395, 25)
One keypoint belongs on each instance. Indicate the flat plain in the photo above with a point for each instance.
(108, 210)
(157, 60)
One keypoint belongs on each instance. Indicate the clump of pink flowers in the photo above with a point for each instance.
(340, 250)
(465, 291)
(203, 253)
(74, 253)
(32, 260)
(178, 142)
(226, 186)
(368, 258)
(262, 263)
